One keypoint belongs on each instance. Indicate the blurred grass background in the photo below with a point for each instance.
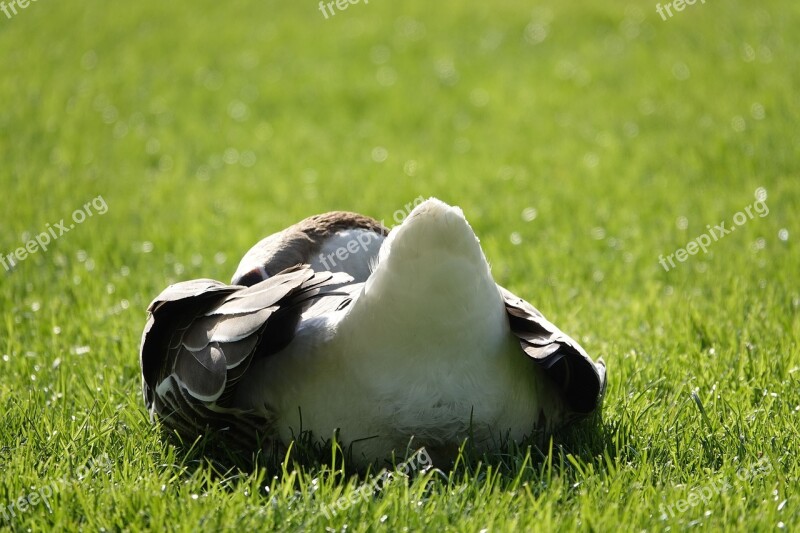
(582, 141)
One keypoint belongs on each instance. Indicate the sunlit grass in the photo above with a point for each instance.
(583, 140)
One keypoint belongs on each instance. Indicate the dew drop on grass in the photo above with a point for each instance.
(630, 28)
(89, 60)
(462, 145)
(247, 158)
(529, 214)
(535, 33)
(681, 71)
(446, 71)
(380, 54)
(120, 130)
(386, 76)
(479, 97)
(631, 129)
(748, 53)
(237, 110)
(379, 154)
(231, 156)
(165, 163)
(152, 146)
(505, 172)
(591, 160)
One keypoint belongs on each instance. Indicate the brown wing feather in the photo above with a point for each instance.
(201, 338)
(581, 380)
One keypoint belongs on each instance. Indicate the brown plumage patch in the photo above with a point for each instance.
(298, 243)
(327, 224)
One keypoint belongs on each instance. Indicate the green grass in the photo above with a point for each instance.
(206, 125)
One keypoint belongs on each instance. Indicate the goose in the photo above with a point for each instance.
(337, 326)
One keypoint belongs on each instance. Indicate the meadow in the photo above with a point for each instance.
(586, 142)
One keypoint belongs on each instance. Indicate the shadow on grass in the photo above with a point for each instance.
(588, 445)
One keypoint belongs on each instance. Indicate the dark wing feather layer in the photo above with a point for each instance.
(201, 338)
(581, 380)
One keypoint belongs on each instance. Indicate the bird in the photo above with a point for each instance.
(337, 327)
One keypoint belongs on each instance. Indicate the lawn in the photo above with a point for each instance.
(595, 147)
